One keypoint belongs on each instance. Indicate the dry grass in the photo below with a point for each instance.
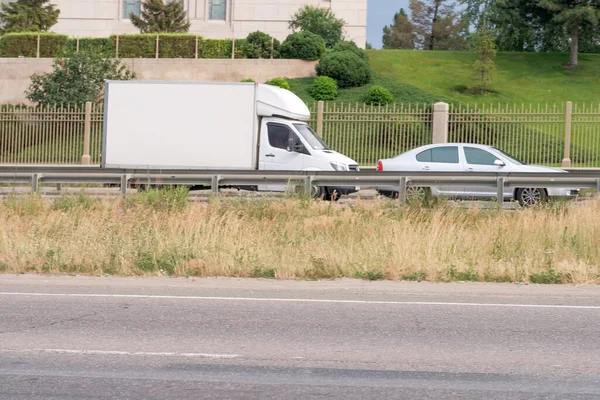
(289, 239)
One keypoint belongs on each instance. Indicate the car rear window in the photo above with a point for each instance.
(445, 155)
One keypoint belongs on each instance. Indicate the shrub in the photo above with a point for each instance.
(25, 44)
(348, 69)
(324, 88)
(104, 46)
(248, 80)
(258, 45)
(173, 45)
(378, 95)
(303, 46)
(217, 48)
(351, 46)
(136, 46)
(281, 82)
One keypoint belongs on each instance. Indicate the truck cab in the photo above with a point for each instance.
(288, 143)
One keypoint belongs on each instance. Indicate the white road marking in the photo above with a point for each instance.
(121, 353)
(267, 299)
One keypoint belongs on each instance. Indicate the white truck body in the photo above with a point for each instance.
(211, 125)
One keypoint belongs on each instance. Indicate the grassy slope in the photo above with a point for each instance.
(417, 76)
(521, 77)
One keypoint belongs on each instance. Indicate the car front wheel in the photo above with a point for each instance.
(529, 197)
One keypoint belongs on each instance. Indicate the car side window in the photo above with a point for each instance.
(424, 156)
(278, 136)
(446, 155)
(477, 156)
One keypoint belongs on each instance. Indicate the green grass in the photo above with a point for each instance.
(403, 92)
(520, 77)
(430, 76)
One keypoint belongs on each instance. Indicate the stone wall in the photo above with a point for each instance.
(15, 72)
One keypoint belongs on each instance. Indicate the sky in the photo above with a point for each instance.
(379, 14)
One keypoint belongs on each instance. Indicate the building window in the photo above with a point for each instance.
(131, 6)
(217, 9)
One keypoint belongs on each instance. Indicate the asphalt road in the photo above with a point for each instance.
(130, 338)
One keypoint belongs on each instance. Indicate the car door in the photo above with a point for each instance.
(274, 154)
(441, 159)
(480, 160)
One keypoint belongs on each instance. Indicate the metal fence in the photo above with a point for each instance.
(559, 134)
(49, 135)
(567, 135)
(367, 133)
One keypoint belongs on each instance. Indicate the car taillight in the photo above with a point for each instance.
(379, 166)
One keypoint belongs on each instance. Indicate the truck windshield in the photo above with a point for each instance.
(311, 137)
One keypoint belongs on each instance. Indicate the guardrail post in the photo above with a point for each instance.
(440, 123)
(566, 162)
(196, 48)
(320, 112)
(598, 185)
(500, 190)
(402, 190)
(37, 51)
(157, 46)
(85, 158)
(35, 182)
(308, 181)
(214, 185)
(124, 179)
(59, 187)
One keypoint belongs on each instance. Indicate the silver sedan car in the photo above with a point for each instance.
(462, 157)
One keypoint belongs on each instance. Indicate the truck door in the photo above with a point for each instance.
(274, 153)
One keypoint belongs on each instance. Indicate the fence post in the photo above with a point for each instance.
(85, 158)
(440, 123)
(566, 162)
(157, 45)
(117, 47)
(320, 107)
(37, 51)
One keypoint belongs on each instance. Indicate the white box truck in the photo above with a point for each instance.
(214, 126)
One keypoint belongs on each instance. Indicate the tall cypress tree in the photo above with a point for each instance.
(157, 16)
(28, 16)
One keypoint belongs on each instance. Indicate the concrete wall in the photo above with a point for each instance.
(15, 72)
(101, 18)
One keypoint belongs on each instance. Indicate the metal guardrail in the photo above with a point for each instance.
(216, 179)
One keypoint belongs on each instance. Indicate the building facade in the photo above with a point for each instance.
(213, 19)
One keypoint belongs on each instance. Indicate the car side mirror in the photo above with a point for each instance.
(499, 163)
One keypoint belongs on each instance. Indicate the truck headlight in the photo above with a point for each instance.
(339, 166)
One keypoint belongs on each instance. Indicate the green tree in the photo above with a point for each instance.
(28, 16)
(76, 80)
(320, 21)
(485, 66)
(437, 25)
(157, 16)
(574, 15)
(401, 34)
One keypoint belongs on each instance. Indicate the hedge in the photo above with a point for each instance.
(25, 45)
(130, 46)
(105, 46)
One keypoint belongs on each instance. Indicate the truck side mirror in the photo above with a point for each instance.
(293, 145)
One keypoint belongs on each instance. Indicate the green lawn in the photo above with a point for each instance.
(521, 77)
(428, 76)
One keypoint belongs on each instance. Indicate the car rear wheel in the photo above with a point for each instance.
(416, 194)
(529, 197)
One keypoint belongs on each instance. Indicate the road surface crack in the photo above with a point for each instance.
(57, 322)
